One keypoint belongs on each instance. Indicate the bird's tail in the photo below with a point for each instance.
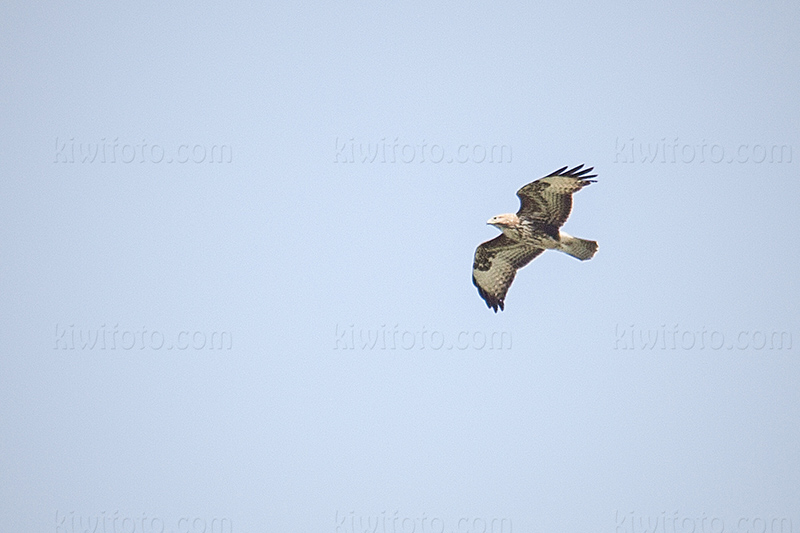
(582, 249)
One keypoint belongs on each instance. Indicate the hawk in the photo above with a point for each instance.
(545, 205)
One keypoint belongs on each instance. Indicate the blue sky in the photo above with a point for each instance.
(222, 313)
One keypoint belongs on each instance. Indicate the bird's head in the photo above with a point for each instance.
(506, 220)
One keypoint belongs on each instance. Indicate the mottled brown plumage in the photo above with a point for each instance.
(545, 205)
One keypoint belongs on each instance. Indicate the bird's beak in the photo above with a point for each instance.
(489, 221)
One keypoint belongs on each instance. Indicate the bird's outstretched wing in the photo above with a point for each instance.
(496, 263)
(548, 200)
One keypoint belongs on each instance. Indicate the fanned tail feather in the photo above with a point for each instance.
(582, 249)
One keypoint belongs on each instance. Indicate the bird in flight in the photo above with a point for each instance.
(545, 206)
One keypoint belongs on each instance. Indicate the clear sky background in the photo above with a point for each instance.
(359, 374)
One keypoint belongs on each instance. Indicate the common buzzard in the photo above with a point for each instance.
(545, 206)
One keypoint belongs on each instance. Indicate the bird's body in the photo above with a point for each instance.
(545, 206)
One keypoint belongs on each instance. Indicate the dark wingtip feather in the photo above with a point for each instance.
(494, 305)
(574, 172)
(491, 301)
